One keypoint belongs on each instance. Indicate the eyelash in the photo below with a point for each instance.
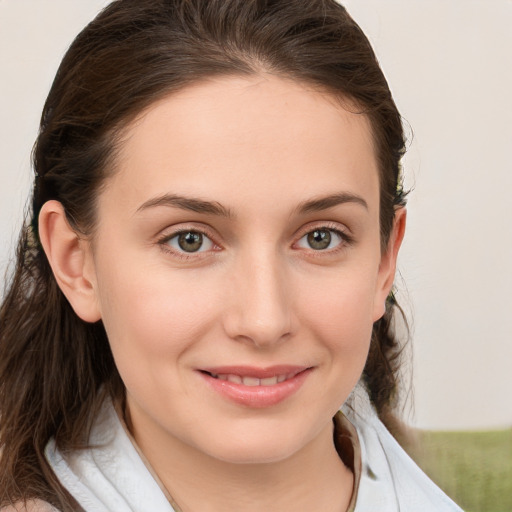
(345, 240)
(164, 243)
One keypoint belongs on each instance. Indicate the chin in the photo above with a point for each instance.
(257, 446)
(254, 454)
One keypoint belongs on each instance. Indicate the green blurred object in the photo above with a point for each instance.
(473, 468)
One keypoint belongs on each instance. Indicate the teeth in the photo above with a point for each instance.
(252, 381)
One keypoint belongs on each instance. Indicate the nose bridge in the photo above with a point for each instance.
(260, 310)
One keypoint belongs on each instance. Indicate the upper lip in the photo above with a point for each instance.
(256, 372)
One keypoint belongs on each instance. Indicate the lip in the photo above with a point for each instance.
(256, 396)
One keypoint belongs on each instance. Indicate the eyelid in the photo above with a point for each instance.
(340, 229)
(171, 232)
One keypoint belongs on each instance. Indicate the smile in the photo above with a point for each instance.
(255, 387)
(253, 381)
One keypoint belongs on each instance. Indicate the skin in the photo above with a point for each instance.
(256, 293)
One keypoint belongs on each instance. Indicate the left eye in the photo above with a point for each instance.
(321, 239)
(190, 241)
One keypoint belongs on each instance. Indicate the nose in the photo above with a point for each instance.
(260, 311)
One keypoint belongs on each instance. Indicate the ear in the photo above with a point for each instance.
(387, 265)
(71, 260)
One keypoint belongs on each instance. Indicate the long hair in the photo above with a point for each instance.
(55, 369)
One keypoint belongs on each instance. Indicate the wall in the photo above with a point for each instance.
(449, 66)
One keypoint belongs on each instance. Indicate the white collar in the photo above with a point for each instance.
(390, 480)
(111, 476)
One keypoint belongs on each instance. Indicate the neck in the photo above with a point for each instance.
(314, 478)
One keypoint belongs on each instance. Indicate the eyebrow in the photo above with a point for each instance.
(326, 202)
(187, 203)
(215, 208)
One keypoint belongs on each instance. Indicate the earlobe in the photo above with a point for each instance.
(70, 259)
(387, 266)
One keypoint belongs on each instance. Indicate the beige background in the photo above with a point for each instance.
(449, 63)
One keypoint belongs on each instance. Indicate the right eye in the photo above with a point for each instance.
(322, 239)
(190, 241)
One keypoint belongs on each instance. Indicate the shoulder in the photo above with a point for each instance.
(30, 506)
(390, 480)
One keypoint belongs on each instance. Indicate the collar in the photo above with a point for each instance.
(113, 475)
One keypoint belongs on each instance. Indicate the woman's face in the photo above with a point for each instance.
(237, 266)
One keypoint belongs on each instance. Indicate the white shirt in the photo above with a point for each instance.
(112, 476)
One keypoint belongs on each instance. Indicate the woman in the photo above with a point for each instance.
(207, 273)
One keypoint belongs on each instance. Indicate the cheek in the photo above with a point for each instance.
(340, 312)
(152, 315)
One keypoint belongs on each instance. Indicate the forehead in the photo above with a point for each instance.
(247, 136)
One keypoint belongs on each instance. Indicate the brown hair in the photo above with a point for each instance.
(55, 369)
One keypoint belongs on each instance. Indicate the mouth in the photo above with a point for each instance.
(256, 387)
(246, 380)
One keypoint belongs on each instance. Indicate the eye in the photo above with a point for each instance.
(321, 239)
(190, 242)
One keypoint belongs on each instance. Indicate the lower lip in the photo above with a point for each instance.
(257, 396)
